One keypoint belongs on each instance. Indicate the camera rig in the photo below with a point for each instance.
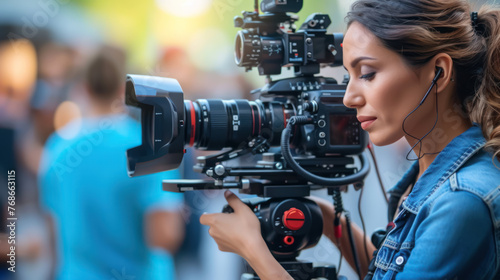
(318, 137)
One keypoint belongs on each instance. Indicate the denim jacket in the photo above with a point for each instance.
(449, 226)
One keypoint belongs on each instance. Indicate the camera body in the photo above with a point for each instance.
(336, 129)
(304, 113)
(271, 41)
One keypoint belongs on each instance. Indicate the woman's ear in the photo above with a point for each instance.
(445, 62)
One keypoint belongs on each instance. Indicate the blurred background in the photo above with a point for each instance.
(44, 47)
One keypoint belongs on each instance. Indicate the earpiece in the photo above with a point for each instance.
(439, 71)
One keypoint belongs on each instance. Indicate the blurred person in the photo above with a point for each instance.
(17, 78)
(57, 64)
(106, 225)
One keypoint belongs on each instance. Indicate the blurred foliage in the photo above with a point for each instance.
(144, 28)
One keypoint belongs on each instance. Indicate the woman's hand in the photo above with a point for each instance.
(237, 232)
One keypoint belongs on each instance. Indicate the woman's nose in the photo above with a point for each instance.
(352, 97)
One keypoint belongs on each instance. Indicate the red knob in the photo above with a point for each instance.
(293, 219)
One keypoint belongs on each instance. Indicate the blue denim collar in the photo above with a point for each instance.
(447, 162)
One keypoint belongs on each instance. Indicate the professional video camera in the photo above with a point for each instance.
(305, 112)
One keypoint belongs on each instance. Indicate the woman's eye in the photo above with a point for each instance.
(368, 76)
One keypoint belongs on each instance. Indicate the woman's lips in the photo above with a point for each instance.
(366, 121)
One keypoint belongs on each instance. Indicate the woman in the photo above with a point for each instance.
(428, 71)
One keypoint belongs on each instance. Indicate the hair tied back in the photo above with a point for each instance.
(473, 19)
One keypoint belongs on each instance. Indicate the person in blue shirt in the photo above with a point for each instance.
(106, 224)
(427, 71)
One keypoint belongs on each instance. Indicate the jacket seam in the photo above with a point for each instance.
(471, 151)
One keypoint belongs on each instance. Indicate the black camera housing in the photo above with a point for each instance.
(170, 123)
(263, 44)
(336, 129)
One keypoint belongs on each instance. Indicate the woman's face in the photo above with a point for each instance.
(384, 89)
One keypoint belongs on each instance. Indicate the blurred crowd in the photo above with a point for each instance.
(64, 129)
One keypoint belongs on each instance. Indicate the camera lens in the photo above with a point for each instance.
(247, 49)
(238, 49)
(213, 124)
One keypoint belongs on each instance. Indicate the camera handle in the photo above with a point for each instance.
(356, 178)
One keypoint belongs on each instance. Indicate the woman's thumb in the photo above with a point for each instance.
(233, 200)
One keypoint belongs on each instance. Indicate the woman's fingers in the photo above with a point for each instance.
(234, 201)
(207, 219)
(233, 232)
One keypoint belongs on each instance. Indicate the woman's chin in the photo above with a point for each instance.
(379, 138)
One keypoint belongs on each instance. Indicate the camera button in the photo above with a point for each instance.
(321, 123)
(322, 135)
(322, 142)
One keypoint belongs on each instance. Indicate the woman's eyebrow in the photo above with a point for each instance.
(358, 59)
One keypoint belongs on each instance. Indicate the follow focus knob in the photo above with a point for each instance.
(293, 219)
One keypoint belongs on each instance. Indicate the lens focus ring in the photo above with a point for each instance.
(215, 124)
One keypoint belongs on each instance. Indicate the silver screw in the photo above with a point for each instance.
(219, 170)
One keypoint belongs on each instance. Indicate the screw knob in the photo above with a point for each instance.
(293, 219)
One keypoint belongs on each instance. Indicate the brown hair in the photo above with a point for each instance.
(420, 29)
(105, 73)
